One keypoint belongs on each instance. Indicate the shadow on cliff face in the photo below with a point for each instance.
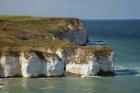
(1, 71)
(126, 72)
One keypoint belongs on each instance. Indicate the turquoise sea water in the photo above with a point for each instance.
(123, 36)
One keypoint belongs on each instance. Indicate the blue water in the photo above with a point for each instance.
(121, 35)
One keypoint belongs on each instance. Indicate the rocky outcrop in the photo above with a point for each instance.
(85, 62)
(68, 29)
(75, 33)
(42, 46)
(10, 65)
(31, 64)
(55, 65)
(80, 61)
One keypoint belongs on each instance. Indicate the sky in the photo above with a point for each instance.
(84, 9)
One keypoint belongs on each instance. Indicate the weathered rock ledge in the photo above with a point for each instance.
(77, 61)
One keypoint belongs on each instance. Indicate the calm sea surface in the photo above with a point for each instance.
(123, 36)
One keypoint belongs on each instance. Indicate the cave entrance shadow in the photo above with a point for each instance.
(126, 72)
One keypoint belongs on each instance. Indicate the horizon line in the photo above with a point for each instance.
(78, 17)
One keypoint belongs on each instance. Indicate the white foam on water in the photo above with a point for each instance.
(137, 75)
(118, 67)
(41, 78)
(124, 70)
(46, 88)
(92, 77)
(87, 89)
(96, 76)
(58, 88)
(138, 70)
(1, 86)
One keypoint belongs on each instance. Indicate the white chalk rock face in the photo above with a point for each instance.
(55, 66)
(79, 64)
(63, 55)
(10, 65)
(87, 64)
(83, 69)
(106, 63)
(80, 69)
(66, 55)
(60, 53)
(31, 65)
(80, 61)
(93, 67)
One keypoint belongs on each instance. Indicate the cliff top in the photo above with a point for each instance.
(22, 33)
(27, 27)
(34, 31)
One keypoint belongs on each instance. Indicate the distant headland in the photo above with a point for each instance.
(50, 46)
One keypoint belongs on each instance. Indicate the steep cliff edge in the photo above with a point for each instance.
(88, 61)
(31, 64)
(27, 28)
(42, 46)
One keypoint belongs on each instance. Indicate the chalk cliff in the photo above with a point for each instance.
(31, 64)
(94, 65)
(88, 62)
(80, 61)
(36, 46)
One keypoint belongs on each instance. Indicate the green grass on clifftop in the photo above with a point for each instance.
(21, 33)
(27, 27)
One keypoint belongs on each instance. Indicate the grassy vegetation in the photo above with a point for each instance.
(28, 27)
(24, 33)
(27, 31)
(24, 45)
